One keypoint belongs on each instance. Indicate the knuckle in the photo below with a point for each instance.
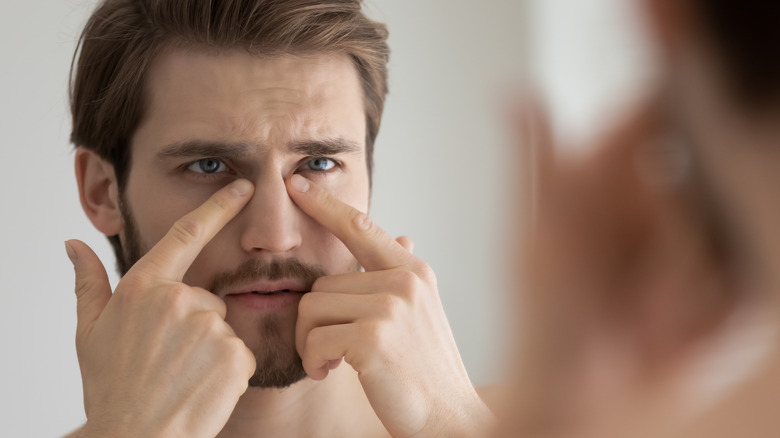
(221, 200)
(315, 338)
(373, 334)
(320, 284)
(403, 279)
(237, 355)
(238, 349)
(220, 308)
(207, 300)
(130, 294)
(186, 230)
(210, 322)
(389, 306)
(361, 222)
(425, 272)
(310, 341)
(405, 284)
(174, 297)
(82, 289)
(231, 350)
(308, 303)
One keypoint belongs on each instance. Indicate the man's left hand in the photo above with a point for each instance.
(388, 324)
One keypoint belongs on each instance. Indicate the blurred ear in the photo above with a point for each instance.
(668, 23)
(98, 191)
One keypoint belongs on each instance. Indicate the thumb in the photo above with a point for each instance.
(406, 242)
(92, 287)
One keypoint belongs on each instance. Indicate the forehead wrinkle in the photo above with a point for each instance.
(269, 105)
(280, 127)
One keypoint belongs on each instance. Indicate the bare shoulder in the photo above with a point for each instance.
(75, 434)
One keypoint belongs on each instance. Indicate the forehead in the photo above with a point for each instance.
(236, 96)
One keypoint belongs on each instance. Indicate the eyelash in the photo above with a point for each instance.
(186, 167)
(336, 164)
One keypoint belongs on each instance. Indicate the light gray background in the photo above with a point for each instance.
(440, 178)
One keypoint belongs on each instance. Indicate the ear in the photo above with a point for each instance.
(669, 24)
(98, 191)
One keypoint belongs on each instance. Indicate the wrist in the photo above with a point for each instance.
(101, 429)
(470, 420)
(478, 422)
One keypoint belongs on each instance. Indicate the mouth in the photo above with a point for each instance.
(265, 297)
(268, 288)
(277, 292)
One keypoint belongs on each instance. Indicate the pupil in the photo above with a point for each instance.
(320, 164)
(209, 166)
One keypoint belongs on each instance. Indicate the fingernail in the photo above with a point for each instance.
(71, 253)
(300, 183)
(241, 187)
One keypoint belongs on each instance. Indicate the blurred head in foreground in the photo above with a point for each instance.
(650, 298)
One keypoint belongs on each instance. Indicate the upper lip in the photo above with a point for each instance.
(266, 286)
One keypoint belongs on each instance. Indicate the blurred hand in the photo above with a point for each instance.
(622, 275)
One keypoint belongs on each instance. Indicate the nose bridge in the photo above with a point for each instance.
(271, 217)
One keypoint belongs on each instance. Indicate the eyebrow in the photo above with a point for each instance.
(201, 148)
(327, 146)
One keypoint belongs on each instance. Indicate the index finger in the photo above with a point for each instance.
(174, 253)
(373, 248)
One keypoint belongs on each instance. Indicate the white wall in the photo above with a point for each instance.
(590, 58)
(440, 178)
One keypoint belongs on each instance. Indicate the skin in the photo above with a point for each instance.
(268, 106)
(198, 226)
(633, 323)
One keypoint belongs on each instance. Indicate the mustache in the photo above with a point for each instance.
(255, 270)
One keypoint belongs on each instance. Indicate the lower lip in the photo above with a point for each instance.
(268, 302)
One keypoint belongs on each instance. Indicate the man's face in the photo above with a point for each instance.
(214, 117)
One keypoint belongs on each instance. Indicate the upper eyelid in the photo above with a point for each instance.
(226, 161)
(335, 161)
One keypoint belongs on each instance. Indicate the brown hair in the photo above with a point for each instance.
(122, 38)
(747, 37)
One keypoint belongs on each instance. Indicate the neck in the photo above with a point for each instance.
(333, 407)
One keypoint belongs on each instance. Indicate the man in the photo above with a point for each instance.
(653, 270)
(226, 150)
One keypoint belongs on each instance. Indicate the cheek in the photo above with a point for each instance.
(331, 252)
(353, 191)
(156, 204)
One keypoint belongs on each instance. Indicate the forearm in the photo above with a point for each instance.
(470, 418)
(476, 421)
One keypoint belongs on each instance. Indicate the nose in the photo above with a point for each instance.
(271, 221)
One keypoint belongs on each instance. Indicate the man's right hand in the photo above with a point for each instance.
(157, 357)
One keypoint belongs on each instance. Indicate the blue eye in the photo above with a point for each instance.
(320, 164)
(207, 166)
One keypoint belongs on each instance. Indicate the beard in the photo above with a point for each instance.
(278, 362)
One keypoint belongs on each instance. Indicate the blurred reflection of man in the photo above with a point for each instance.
(654, 267)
